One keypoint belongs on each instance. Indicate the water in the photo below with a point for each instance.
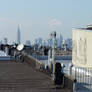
(65, 60)
(38, 57)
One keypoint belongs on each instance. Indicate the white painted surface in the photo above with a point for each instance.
(82, 48)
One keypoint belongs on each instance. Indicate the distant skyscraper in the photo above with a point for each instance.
(38, 41)
(28, 43)
(18, 35)
(69, 43)
(5, 41)
(59, 41)
(50, 42)
(1, 42)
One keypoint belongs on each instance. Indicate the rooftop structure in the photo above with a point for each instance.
(82, 47)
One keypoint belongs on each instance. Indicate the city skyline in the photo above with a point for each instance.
(38, 18)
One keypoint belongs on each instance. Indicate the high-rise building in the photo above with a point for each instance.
(0, 42)
(69, 43)
(28, 43)
(50, 42)
(5, 41)
(38, 41)
(59, 41)
(18, 35)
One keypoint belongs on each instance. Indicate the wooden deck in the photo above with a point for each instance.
(19, 77)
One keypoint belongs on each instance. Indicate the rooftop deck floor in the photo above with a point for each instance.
(19, 77)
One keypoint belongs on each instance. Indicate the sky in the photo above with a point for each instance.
(38, 18)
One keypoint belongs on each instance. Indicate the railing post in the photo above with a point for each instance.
(70, 66)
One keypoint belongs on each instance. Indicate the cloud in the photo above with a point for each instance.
(7, 21)
(4, 19)
(54, 23)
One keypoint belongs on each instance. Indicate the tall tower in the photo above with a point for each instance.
(5, 41)
(18, 35)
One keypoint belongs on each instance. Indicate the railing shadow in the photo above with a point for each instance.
(82, 87)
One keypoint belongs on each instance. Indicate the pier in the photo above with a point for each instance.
(21, 77)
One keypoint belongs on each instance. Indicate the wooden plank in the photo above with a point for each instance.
(19, 77)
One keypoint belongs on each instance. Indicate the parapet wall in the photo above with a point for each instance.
(31, 61)
(35, 64)
(69, 82)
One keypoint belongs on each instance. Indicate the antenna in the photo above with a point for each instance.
(20, 47)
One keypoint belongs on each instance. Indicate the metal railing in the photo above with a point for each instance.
(83, 78)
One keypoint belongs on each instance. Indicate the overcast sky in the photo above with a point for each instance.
(38, 18)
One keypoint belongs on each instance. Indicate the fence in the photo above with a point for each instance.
(83, 77)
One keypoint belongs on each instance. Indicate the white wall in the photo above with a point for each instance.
(82, 48)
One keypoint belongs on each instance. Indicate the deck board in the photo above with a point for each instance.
(19, 77)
